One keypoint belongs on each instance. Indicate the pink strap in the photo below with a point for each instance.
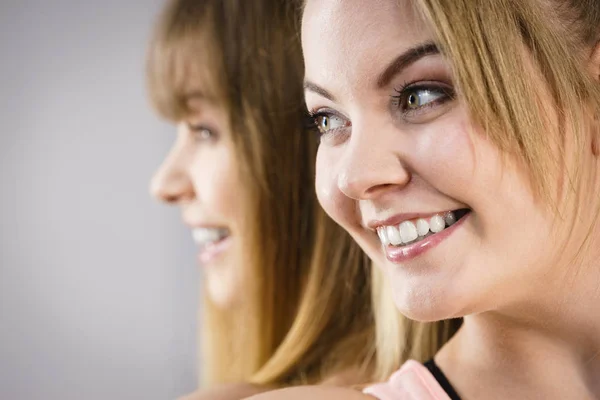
(411, 382)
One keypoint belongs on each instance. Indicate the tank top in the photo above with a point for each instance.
(415, 381)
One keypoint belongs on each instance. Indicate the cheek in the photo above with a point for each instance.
(445, 156)
(217, 185)
(227, 194)
(468, 167)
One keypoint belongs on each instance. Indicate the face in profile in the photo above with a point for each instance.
(402, 167)
(200, 175)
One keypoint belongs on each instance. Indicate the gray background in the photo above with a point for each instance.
(98, 283)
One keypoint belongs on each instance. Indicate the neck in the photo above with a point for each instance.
(545, 347)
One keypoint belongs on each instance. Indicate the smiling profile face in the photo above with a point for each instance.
(404, 169)
(200, 175)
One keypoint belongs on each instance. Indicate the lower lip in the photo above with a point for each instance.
(212, 251)
(399, 255)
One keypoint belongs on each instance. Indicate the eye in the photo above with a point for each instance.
(202, 133)
(414, 100)
(327, 122)
(418, 98)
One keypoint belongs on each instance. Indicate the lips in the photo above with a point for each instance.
(212, 242)
(412, 237)
(212, 251)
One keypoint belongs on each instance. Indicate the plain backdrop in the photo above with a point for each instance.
(98, 283)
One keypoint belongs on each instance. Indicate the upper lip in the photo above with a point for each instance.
(200, 225)
(399, 218)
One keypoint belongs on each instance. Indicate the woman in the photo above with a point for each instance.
(460, 147)
(287, 291)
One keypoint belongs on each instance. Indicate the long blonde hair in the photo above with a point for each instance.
(480, 40)
(307, 311)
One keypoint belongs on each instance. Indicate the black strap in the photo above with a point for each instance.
(442, 380)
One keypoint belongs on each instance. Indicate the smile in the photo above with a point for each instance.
(411, 238)
(211, 241)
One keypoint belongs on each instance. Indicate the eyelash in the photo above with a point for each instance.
(398, 100)
(313, 125)
(198, 130)
(400, 97)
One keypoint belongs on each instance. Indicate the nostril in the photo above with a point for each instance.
(169, 198)
(171, 186)
(163, 191)
(373, 190)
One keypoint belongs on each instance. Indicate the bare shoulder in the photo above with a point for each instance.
(234, 391)
(312, 393)
(349, 378)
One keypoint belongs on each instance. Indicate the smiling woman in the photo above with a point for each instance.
(287, 290)
(460, 148)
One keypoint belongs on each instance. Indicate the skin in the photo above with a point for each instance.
(200, 176)
(226, 392)
(242, 390)
(532, 327)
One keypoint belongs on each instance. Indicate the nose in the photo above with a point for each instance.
(371, 166)
(171, 182)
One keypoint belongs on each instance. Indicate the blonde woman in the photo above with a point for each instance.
(460, 147)
(287, 290)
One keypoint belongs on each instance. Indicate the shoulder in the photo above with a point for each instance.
(313, 393)
(411, 382)
(346, 378)
(233, 391)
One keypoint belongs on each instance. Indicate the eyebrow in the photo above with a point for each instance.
(313, 87)
(194, 95)
(400, 63)
(406, 59)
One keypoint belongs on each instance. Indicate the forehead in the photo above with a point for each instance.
(351, 41)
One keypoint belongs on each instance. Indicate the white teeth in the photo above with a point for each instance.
(437, 224)
(408, 231)
(450, 218)
(393, 235)
(382, 232)
(422, 227)
(203, 236)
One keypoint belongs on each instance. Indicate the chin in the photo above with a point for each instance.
(426, 304)
(424, 314)
(219, 294)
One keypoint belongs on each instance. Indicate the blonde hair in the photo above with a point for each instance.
(307, 313)
(555, 39)
(480, 40)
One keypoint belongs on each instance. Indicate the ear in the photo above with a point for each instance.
(594, 62)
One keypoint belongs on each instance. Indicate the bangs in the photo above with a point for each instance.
(526, 114)
(182, 63)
